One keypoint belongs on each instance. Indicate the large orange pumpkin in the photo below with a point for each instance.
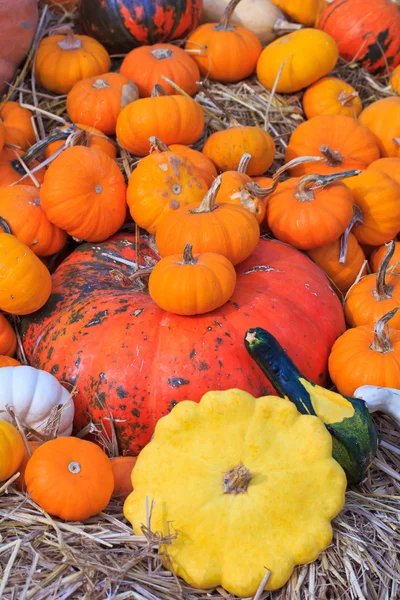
(390, 166)
(152, 359)
(342, 141)
(8, 339)
(18, 128)
(383, 119)
(84, 193)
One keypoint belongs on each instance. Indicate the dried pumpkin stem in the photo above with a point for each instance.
(188, 258)
(161, 53)
(100, 84)
(381, 341)
(70, 42)
(158, 90)
(383, 290)
(208, 203)
(158, 145)
(333, 157)
(347, 99)
(237, 480)
(244, 163)
(344, 238)
(4, 226)
(304, 194)
(283, 26)
(38, 148)
(224, 22)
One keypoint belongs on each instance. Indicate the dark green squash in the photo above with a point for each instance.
(354, 437)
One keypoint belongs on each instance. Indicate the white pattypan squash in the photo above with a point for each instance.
(33, 394)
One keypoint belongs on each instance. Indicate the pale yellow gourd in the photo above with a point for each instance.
(248, 485)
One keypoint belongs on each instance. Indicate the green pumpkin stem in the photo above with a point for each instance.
(381, 341)
(383, 290)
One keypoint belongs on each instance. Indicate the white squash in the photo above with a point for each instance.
(33, 394)
(259, 16)
(386, 400)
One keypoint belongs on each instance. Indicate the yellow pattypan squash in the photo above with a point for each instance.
(12, 450)
(247, 485)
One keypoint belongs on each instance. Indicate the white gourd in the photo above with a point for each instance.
(386, 400)
(259, 16)
(33, 394)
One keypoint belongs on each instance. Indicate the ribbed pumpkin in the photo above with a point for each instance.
(84, 193)
(383, 119)
(62, 60)
(342, 141)
(162, 183)
(8, 339)
(366, 355)
(86, 136)
(390, 166)
(309, 212)
(331, 96)
(18, 128)
(378, 197)
(203, 164)
(97, 101)
(20, 207)
(147, 65)
(377, 256)
(172, 119)
(373, 296)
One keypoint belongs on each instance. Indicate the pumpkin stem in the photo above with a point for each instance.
(307, 195)
(158, 90)
(381, 341)
(383, 290)
(347, 99)
(4, 226)
(237, 480)
(188, 258)
(156, 144)
(70, 42)
(283, 26)
(333, 157)
(224, 22)
(100, 84)
(244, 163)
(38, 148)
(161, 53)
(74, 467)
(208, 203)
(344, 238)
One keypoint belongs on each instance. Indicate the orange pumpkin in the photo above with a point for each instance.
(226, 148)
(162, 182)
(390, 166)
(366, 355)
(224, 52)
(25, 282)
(373, 296)
(62, 60)
(226, 229)
(383, 119)
(122, 467)
(8, 339)
(331, 96)
(378, 255)
(309, 212)
(342, 141)
(172, 119)
(20, 207)
(203, 164)
(97, 101)
(84, 193)
(70, 478)
(18, 128)
(7, 361)
(20, 482)
(395, 80)
(12, 170)
(146, 66)
(88, 136)
(305, 11)
(192, 284)
(2, 135)
(378, 197)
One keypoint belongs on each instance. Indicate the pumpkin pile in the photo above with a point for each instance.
(154, 248)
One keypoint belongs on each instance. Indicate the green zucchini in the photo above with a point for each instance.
(354, 437)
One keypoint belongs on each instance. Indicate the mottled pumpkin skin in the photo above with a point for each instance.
(125, 24)
(131, 359)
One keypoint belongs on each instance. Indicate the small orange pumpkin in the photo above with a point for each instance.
(122, 467)
(377, 256)
(62, 60)
(7, 361)
(203, 164)
(192, 284)
(8, 339)
(20, 207)
(310, 212)
(172, 119)
(366, 355)
(18, 128)
(390, 166)
(162, 182)
(70, 478)
(88, 136)
(331, 96)
(146, 65)
(97, 101)
(373, 296)
(342, 141)
(12, 170)
(84, 193)
(224, 52)
(383, 119)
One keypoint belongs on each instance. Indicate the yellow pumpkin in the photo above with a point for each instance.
(12, 450)
(249, 485)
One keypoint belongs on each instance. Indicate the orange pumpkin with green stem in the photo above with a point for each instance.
(224, 52)
(366, 355)
(383, 119)
(373, 296)
(8, 339)
(18, 128)
(331, 96)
